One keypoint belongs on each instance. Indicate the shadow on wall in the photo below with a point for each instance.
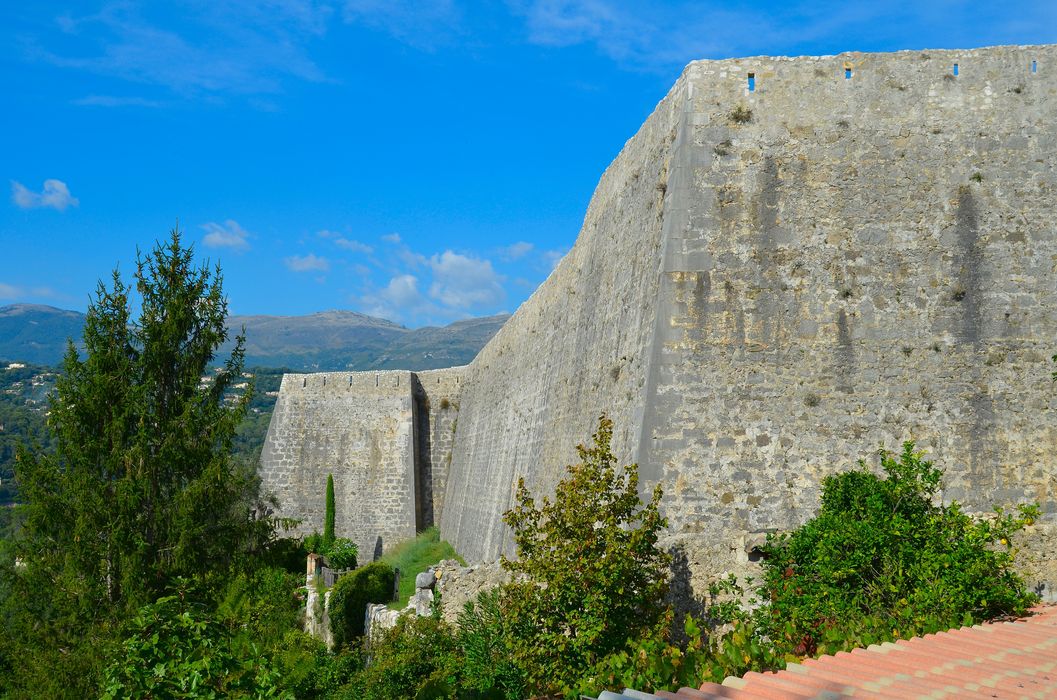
(681, 591)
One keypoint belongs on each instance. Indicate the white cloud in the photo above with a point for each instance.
(207, 49)
(516, 251)
(112, 101)
(424, 24)
(400, 300)
(619, 33)
(226, 235)
(55, 195)
(11, 291)
(665, 36)
(658, 37)
(464, 283)
(402, 290)
(307, 263)
(353, 245)
(404, 253)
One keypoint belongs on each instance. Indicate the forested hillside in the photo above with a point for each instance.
(25, 390)
(325, 341)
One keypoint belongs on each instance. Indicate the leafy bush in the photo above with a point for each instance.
(341, 554)
(308, 670)
(286, 553)
(484, 639)
(723, 642)
(596, 576)
(650, 662)
(418, 658)
(882, 559)
(314, 543)
(262, 604)
(176, 649)
(351, 595)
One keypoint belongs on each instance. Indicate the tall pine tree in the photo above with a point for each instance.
(142, 487)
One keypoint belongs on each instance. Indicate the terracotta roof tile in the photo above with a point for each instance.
(1000, 660)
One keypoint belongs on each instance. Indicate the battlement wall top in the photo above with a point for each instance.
(443, 381)
(851, 68)
(372, 383)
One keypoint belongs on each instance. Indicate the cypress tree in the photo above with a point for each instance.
(328, 522)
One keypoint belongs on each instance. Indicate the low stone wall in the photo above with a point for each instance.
(458, 584)
(381, 617)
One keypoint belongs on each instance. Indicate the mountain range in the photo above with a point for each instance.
(326, 341)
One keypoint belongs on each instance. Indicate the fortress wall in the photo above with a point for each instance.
(572, 351)
(359, 427)
(862, 262)
(757, 304)
(437, 395)
(866, 261)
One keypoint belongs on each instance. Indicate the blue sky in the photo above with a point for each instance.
(421, 161)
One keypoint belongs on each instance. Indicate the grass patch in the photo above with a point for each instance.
(412, 557)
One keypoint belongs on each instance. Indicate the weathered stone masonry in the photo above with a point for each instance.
(374, 432)
(770, 284)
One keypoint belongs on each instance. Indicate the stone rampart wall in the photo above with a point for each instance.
(358, 426)
(438, 393)
(863, 262)
(575, 349)
(770, 284)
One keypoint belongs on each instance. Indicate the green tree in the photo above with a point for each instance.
(595, 575)
(328, 521)
(140, 488)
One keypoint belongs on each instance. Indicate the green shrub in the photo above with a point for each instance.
(341, 554)
(650, 662)
(740, 115)
(418, 658)
(262, 604)
(176, 649)
(287, 553)
(351, 595)
(314, 543)
(485, 644)
(883, 560)
(596, 576)
(308, 670)
(723, 642)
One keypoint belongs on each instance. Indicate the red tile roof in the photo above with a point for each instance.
(996, 660)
